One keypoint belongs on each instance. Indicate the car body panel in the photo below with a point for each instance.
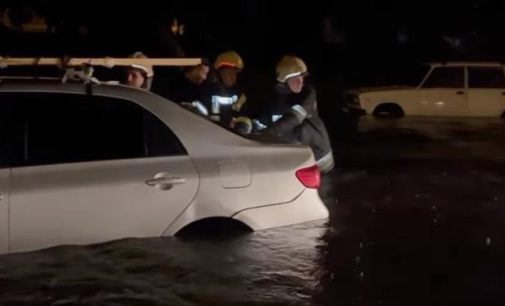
(83, 203)
(452, 102)
(4, 209)
(487, 102)
(101, 201)
(305, 207)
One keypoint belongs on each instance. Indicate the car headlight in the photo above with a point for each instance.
(352, 105)
(352, 100)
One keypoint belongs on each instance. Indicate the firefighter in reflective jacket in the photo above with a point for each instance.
(224, 99)
(292, 114)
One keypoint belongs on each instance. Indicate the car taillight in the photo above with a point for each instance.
(310, 177)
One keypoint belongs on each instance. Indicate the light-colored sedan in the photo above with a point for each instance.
(86, 164)
(448, 89)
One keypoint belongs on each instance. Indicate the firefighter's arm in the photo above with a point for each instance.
(297, 113)
(290, 120)
(197, 107)
(309, 101)
(239, 104)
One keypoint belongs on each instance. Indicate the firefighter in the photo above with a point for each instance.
(224, 98)
(187, 89)
(292, 114)
(139, 76)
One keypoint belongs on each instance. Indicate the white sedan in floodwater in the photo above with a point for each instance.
(83, 164)
(466, 89)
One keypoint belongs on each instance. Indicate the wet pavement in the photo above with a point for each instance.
(417, 215)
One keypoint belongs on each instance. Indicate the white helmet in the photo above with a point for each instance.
(147, 69)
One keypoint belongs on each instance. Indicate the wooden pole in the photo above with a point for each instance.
(105, 61)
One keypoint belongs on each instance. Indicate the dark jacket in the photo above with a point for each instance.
(224, 104)
(294, 118)
(183, 90)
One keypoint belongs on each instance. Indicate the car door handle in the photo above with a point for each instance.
(165, 181)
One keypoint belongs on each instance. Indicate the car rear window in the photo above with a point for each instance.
(486, 77)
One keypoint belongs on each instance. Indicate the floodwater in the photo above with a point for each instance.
(417, 216)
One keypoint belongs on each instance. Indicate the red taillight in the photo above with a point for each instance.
(310, 177)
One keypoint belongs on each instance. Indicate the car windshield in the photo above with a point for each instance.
(261, 135)
(411, 75)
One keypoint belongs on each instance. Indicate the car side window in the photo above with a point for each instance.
(68, 128)
(486, 77)
(446, 77)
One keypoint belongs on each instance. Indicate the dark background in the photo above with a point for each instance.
(419, 216)
(328, 34)
(345, 43)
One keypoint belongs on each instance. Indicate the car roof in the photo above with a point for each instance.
(465, 64)
(58, 87)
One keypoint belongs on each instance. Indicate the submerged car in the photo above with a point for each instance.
(84, 164)
(463, 89)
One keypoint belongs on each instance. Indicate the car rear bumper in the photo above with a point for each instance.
(307, 207)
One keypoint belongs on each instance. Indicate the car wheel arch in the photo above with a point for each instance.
(213, 227)
(394, 109)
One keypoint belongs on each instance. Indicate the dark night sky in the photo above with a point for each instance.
(328, 34)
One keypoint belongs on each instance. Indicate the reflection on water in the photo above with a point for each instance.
(416, 236)
(272, 267)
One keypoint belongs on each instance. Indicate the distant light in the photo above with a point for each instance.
(176, 28)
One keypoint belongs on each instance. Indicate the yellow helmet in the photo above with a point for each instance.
(147, 69)
(229, 59)
(290, 66)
